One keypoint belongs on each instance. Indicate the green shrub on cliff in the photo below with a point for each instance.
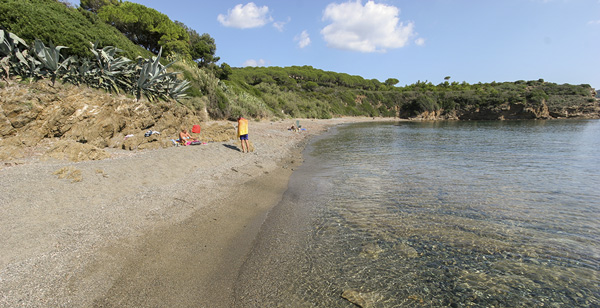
(52, 21)
(144, 77)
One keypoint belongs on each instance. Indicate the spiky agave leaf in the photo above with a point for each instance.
(178, 91)
(152, 77)
(110, 71)
(50, 58)
(12, 51)
(9, 42)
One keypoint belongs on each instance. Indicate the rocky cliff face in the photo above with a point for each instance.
(79, 123)
(509, 111)
(516, 111)
(587, 111)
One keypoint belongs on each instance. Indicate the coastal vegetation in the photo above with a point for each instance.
(309, 92)
(53, 21)
(147, 77)
(92, 45)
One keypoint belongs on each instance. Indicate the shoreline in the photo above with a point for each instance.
(154, 228)
(194, 263)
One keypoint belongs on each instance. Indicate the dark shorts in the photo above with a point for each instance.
(244, 137)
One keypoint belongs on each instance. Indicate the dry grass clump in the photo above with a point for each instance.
(218, 132)
(74, 151)
(70, 173)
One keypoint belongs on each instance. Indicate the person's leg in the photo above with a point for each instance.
(247, 145)
(242, 142)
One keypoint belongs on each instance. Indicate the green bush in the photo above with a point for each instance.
(147, 77)
(52, 21)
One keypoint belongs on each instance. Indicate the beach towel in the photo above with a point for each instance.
(150, 133)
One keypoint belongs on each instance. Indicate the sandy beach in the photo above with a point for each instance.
(160, 228)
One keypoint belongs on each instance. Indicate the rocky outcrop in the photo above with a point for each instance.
(586, 111)
(515, 111)
(34, 117)
(508, 111)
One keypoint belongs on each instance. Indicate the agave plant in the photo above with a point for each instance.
(154, 79)
(13, 53)
(77, 69)
(112, 72)
(108, 71)
(28, 66)
(5, 64)
(9, 42)
(50, 58)
(179, 88)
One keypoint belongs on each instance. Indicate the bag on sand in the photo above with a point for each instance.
(196, 129)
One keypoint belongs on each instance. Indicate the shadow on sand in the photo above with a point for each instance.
(233, 147)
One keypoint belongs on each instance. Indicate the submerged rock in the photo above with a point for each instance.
(362, 299)
(371, 251)
(406, 251)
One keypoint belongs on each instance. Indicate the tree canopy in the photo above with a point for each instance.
(95, 5)
(202, 47)
(146, 27)
(392, 82)
(52, 21)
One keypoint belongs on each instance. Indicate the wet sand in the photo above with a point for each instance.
(161, 228)
(194, 263)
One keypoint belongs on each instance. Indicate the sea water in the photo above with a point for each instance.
(457, 214)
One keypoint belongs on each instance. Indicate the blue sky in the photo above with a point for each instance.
(468, 40)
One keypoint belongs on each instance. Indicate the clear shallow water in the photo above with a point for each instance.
(484, 214)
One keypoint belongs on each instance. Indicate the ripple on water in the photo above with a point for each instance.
(452, 215)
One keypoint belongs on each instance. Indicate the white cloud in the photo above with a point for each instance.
(303, 39)
(594, 22)
(420, 41)
(246, 16)
(369, 28)
(280, 25)
(252, 62)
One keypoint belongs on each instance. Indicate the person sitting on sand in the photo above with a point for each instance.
(185, 138)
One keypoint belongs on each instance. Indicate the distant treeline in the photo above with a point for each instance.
(309, 92)
(257, 92)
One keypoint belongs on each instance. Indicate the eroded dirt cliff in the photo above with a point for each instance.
(78, 123)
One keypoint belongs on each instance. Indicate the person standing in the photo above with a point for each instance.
(243, 133)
